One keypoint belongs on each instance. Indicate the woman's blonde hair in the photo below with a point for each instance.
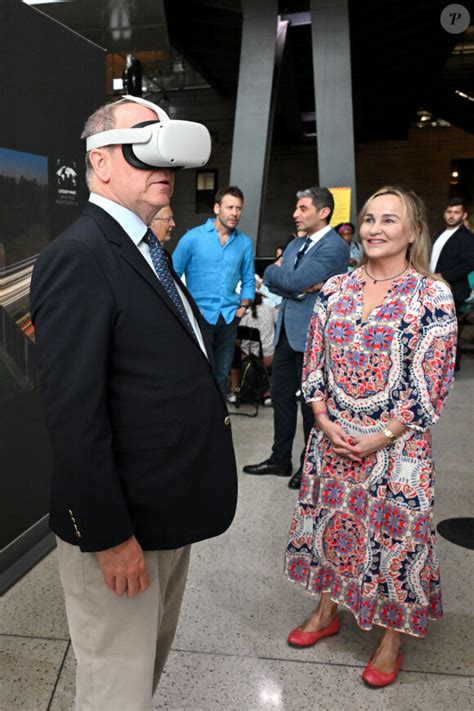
(415, 215)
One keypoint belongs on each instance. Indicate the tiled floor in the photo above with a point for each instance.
(230, 651)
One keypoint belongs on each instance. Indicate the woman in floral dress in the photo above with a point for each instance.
(378, 366)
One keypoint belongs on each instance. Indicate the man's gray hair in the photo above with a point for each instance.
(320, 197)
(103, 119)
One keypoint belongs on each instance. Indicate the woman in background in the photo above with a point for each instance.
(346, 230)
(261, 316)
(378, 366)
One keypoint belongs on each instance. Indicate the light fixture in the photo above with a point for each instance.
(423, 115)
(455, 174)
(463, 95)
(43, 2)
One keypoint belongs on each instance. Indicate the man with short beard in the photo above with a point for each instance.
(214, 258)
(297, 276)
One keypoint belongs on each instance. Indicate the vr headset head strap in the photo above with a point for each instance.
(162, 115)
(116, 136)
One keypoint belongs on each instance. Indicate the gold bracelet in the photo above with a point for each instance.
(392, 438)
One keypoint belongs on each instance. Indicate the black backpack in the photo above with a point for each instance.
(253, 382)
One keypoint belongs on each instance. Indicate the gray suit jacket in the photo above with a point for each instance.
(327, 258)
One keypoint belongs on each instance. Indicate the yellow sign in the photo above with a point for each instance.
(342, 205)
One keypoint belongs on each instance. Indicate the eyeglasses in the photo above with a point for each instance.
(165, 219)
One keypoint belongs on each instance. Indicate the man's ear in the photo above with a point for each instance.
(324, 212)
(216, 208)
(100, 160)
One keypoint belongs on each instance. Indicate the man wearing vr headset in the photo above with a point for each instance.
(126, 373)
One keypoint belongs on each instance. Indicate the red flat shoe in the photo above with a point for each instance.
(376, 678)
(298, 638)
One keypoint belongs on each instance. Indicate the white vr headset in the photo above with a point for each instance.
(165, 143)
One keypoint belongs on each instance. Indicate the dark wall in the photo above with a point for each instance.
(51, 80)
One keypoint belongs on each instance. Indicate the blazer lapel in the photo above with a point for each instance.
(310, 252)
(196, 312)
(128, 251)
(314, 250)
(132, 255)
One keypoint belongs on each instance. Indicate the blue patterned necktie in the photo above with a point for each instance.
(302, 251)
(160, 262)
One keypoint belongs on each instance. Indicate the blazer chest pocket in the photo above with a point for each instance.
(135, 439)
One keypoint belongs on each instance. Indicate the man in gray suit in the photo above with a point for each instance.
(297, 277)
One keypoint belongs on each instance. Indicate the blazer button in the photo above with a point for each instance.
(227, 421)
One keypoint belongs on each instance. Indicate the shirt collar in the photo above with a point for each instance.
(128, 220)
(316, 236)
(211, 227)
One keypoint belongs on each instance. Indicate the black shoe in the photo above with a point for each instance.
(267, 467)
(295, 481)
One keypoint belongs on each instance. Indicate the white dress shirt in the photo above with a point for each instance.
(438, 246)
(136, 230)
(317, 236)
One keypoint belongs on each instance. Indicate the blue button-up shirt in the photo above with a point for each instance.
(213, 271)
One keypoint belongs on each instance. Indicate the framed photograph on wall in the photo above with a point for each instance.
(206, 188)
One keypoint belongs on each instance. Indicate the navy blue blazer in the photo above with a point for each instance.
(141, 438)
(327, 258)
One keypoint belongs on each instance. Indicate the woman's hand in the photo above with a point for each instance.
(369, 444)
(342, 442)
(352, 447)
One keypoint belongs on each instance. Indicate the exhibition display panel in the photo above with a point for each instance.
(57, 81)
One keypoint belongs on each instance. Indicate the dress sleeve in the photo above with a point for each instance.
(313, 383)
(429, 357)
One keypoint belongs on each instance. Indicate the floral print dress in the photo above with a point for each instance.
(364, 532)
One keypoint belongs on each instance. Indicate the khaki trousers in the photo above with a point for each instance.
(121, 644)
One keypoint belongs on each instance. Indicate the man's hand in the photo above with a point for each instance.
(312, 289)
(124, 568)
(241, 311)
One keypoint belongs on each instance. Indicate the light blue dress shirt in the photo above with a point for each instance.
(213, 271)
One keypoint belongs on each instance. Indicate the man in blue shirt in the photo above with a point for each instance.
(214, 258)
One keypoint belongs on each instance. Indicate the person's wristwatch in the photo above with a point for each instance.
(392, 438)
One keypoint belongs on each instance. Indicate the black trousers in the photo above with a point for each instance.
(286, 381)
